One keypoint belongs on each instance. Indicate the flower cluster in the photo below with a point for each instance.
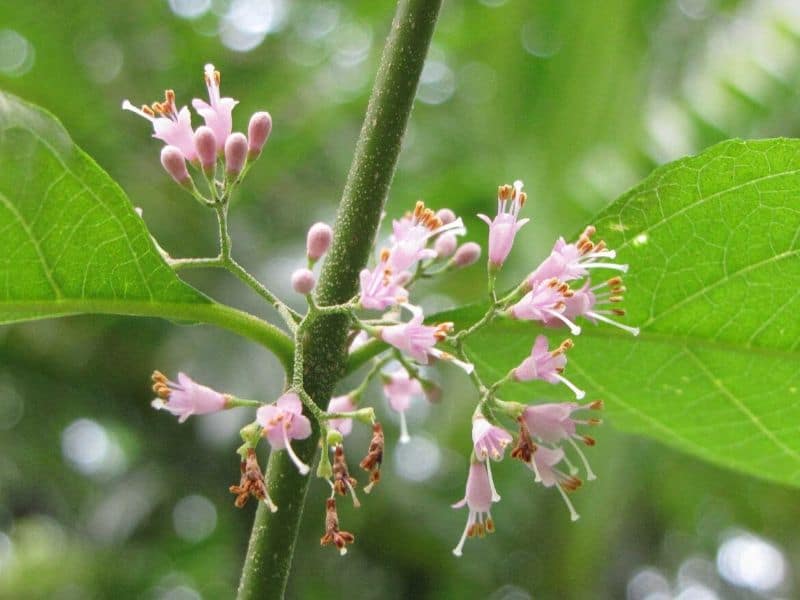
(208, 145)
(401, 343)
(547, 297)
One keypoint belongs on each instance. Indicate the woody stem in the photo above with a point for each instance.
(269, 555)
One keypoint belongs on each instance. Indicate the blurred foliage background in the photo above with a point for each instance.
(100, 496)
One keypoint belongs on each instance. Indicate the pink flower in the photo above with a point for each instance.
(545, 302)
(489, 440)
(216, 112)
(284, 421)
(381, 288)
(399, 388)
(546, 365)
(584, 303)
(410, 236)
(544, 466)
(186, 397)
(478, 498)
(505, 225)
(340, 404)
(553, 423)
(418, 340)
(171, 126)
(573, 261)
(414, 338)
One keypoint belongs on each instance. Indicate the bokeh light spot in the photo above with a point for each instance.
(16, 53)
(194, 518)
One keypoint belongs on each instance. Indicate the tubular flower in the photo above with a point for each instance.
(410, 236)
(282, 422)
(186, 397)
(418, 340)
(504, 227)
(478, 499)
(333, 535)
(573, 261)
(546, 302)
(170, 125)
(399, 388)
(547, 365)
(544, 466)
(588, 302)
(252, 483)
(217, 111)
(489, 441)
(553, 423)
(340, 404)
(381, 288)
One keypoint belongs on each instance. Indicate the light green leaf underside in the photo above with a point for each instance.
(70, 241)
(713, 243)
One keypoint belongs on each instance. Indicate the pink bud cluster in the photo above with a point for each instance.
(208, 144)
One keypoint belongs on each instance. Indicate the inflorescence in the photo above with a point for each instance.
(558, 295)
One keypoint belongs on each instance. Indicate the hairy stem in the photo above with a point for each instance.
(269, 554)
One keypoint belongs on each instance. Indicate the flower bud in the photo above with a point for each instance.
(318, 240)
(303, 281)
(257, 132)
(235, 154)
(445, 245)
(206, 145)
(175, 164)
(446, 215)
(467, 254)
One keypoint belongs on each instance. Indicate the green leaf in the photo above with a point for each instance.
(713, 243)
(70, 241)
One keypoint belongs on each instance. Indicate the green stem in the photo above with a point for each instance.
(269, 555)
(237, 321)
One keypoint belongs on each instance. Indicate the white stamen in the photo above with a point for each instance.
(579, 393)
(126, 105)
(605, 265)
(572, 514)
(532, 466)
(470, 520)
(270, 504)
(573, 328)
(342, 551)
(467, 367)
(573, 470)
(404, 437)
(495, 495)
(356, 503)
(599, 317)
(589, 473)
(211, 84)
(602, 254)
(158, 404)
(301, 466)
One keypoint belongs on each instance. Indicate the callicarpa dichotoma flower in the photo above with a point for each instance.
(381, 287)
(283, 422)
(333, 535)
(547, 365)
(544, 467)
(489, 440)
(170, 125)
(553, 423)
(372, 461)
(546, 302)
(217, 111)
(185, 397)
(343, 482)
(411, 234)
(573, 261)
(505, 225)
(588, 302)
(341, 404)
(478, 499)
(399, 388)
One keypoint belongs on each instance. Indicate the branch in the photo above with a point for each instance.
(269, 554)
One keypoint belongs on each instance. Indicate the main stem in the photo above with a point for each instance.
(269, 555)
